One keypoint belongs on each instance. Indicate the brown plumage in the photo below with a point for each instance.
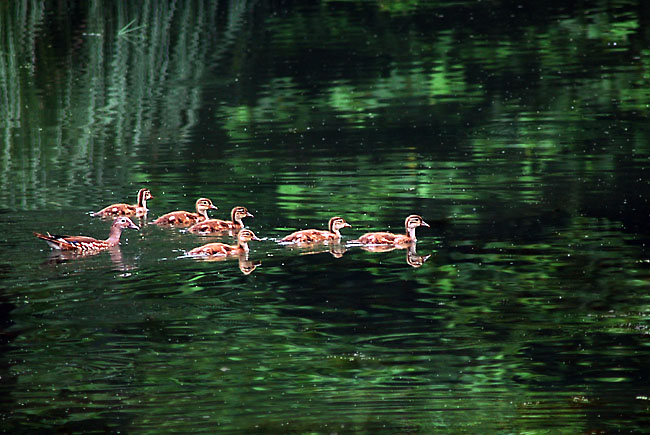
(89, 244)
(314, 236)
(217, 225)
(386, 238)
(183, 218)
(138, 210)
(241, 247)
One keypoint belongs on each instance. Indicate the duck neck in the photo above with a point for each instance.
(411, 233)
(142, 201)
(204, 214)
(114, 236)
(243, 246)
(237, 222)
(335, 231)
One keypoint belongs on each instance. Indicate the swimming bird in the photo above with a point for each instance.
(210, 226)
(138, 210)
(386, 238)
(183, 218)
(313, 236)
(244, 236)
(89, 244)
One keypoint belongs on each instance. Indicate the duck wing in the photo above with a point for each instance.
(380, 238)
(308, 236)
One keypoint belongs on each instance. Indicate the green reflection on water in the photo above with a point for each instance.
(529, 140)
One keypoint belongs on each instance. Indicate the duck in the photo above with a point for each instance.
(385, 238)
(217, 225)
(89, 244)
(137, 210)
(333, 234)
(185, 218)
(241, 247)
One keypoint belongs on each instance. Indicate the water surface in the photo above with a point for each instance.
(519, 132)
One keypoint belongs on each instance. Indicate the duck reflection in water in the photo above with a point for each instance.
(58, 257)
(246, 265)
(336, 249)
(412, 257)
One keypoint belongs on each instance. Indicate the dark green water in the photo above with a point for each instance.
(519, 130)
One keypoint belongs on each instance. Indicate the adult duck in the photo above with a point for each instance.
(89, 244)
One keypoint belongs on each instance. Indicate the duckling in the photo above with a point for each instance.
(241, 247)
(217, 225)
(89, 244)
(138, 210)
(386, 238)
(185, 218)
(313, 236)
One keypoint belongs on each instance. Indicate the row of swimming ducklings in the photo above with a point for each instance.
(200, 223)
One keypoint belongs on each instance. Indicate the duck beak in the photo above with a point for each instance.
(347, 225)
(256, 238)
(424, 224)
(134, 226)
(213, 207)
(249, 214)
